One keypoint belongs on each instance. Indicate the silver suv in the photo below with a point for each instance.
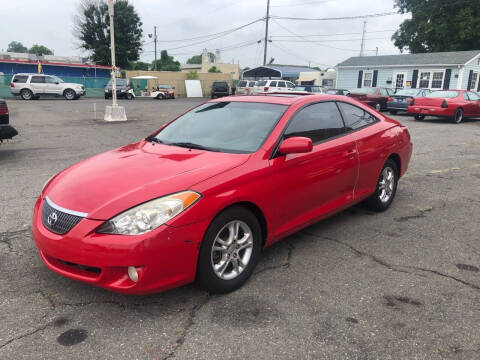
(32, 86)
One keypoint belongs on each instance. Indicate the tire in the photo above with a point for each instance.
(458, 117)
(173, 97)
(36, 97)
(26, 94)
(211, 275)
(384, 194)
(213, 96)
(378, 107)
(393, 112)
(107, 97)
(129, 96)
(419, 116)
(69, 94)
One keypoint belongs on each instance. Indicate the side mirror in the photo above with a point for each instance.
(295, 145)
(56, 82)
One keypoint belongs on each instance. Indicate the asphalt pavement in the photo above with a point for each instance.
(403, 284)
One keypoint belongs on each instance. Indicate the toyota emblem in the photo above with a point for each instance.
(52, 218)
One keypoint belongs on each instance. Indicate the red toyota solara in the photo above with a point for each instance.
(201, 197)
(453, 104)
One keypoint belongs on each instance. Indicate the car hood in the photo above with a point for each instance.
(109, 183)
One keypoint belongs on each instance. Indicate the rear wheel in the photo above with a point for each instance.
(230, 251)
(106, 97)
(386, 188)
(393, 112)
(129, 96)
(419, 116)
(458, 117)
(26, 94)
(69, 94)
(378, 107)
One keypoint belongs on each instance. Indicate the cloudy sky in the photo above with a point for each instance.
(318, 43)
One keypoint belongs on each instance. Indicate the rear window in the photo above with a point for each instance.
(333, 92)
(407, 92)
(242, 84)
(273, 84)
(20, 78)
(220, 83)
(443, 94)
(251, 83)
(119, 82)
(364, 91)
(261, 83)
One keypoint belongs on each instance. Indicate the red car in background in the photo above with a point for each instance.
(200, 198)
(375, 97)
(453, 104)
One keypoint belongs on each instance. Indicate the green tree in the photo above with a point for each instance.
(214, 69)
(140, 65)
(192, 75)
(166, 62)
(17, 46)
(197, 59)
(92, 28)
(438, 25)
(40, 50)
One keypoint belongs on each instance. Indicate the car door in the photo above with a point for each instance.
(281, 86)
(37, 84)
(370, 146)
(272, 86)
(312, 185)
(473, 104)
(51, 87)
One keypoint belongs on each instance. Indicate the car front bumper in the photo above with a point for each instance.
(431, 110)
(164, 258)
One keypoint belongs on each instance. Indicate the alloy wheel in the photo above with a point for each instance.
(386, 184)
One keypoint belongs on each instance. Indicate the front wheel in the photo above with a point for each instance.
(69, 94)
(386, 188)
(230, 251)
(393, 112)
(378, 107)
(129, 96)
(419, 116)
(106, 97)
(458, 117)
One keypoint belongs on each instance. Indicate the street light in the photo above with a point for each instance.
(114, 112)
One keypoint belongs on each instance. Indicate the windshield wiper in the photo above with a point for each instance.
(154, 139)
(192, 146)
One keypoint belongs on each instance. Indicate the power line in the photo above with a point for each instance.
(297, 56)
(336, 18)
(304, 3)
(339, 34)
(324, 41)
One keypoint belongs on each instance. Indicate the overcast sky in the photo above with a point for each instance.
(49, 22)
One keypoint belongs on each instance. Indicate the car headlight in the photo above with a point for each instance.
(150, 215)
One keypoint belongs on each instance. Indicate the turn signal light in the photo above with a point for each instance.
(411, 100)
(444, 104)
(390, 98)
(265, 88)
(11, 85)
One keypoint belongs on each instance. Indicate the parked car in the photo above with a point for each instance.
(201, 197)
(124, 89)
(32, 86)
(338, 92)
(245, 87)
(453, 104)
(269, 86)
(310, 89)
(168, 90)
(375, 97)
(403, 98)
(220, 88)
(7, 131)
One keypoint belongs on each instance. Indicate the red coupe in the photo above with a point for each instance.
(453, 104)
(201, 197)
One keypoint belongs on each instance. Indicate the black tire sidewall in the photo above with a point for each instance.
(458, 111)
(419, 117)
(206, 277)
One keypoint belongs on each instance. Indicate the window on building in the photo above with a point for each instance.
(474, 81)
(437, 80)
(367, 78)
(424, 80)
(318, 122)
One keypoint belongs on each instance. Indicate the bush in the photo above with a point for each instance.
(192, 75)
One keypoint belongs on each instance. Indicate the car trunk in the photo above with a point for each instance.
(220, 87)
(358, 96)
(400, 98)
(425, 101)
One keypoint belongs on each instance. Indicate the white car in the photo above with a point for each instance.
(245, 87)
(32, 86)
(269, 86)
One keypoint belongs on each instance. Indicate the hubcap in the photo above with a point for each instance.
(70, 94)
(459, 117)
(27, 94)
(378, 107)
(386, 184)
(232, 250)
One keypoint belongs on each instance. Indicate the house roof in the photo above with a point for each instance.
(286, 71)
(438, 58)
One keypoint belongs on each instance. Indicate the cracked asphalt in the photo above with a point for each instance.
(404, 284)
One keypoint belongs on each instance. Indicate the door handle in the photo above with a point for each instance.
(350, 154)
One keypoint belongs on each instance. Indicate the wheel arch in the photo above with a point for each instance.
(66, 89)
(398, 161)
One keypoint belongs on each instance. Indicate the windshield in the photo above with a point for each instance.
(407, 92)
(364, 91)
(55, 78)
(165, 86)
(443, 94)
(232, 127)
(120, 82)
(300, 88)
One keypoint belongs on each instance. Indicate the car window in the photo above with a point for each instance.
(407, 92)
(384, 92)
(300, 88)
(281, 84)
(273, 84)
(473, 97)
(333, 92)
(443, 94)
(390, 92)
(232, 127)
(290, 85)
(355, 117)
(20, 79)
(37, 79)
(363, 91)
(242, 84)
(50, 80)
(318, 122)
(261, 83)
(251, 84)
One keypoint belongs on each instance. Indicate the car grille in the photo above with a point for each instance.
(58, 221)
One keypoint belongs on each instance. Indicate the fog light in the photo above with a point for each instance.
(132, 273)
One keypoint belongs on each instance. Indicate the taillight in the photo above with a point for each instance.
(390, 98)
(11, 85)
(444, 104)
(410, 101)
(265, 88)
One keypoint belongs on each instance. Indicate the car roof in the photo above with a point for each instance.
(282, 99)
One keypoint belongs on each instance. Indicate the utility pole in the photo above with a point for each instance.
(363, 38)
(114, 112)
(266, 34)
(376, 51)
(155, 41)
